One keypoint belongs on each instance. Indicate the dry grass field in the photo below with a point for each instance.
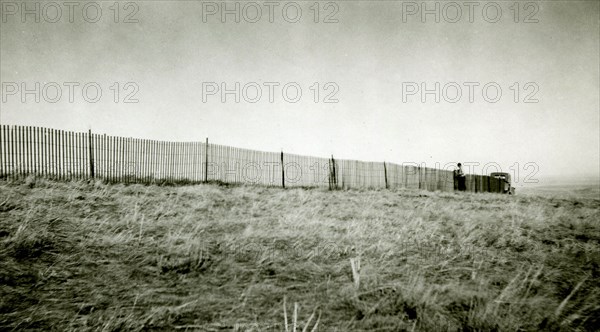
(99, 257)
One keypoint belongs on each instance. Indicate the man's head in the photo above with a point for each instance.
(459, 164)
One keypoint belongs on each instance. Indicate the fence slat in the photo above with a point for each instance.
(3, 170)
(21, 151)
(38, 151)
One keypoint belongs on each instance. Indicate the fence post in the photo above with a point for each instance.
(334, 177)
(282, 172)
(206, 162)
(330, 175)
(91, 152)
(385, 175)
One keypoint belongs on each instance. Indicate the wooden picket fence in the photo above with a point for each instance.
(72, 155)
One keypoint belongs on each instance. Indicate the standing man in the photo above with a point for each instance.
(460, 178)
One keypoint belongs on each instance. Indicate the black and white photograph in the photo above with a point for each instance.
(300, 166)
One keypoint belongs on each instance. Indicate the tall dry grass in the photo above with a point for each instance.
(93, 256)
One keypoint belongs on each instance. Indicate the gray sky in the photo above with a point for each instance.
(373, 49)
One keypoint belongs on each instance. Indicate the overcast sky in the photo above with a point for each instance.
(373, 54)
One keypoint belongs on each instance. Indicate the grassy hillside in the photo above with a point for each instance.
(81, 256)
